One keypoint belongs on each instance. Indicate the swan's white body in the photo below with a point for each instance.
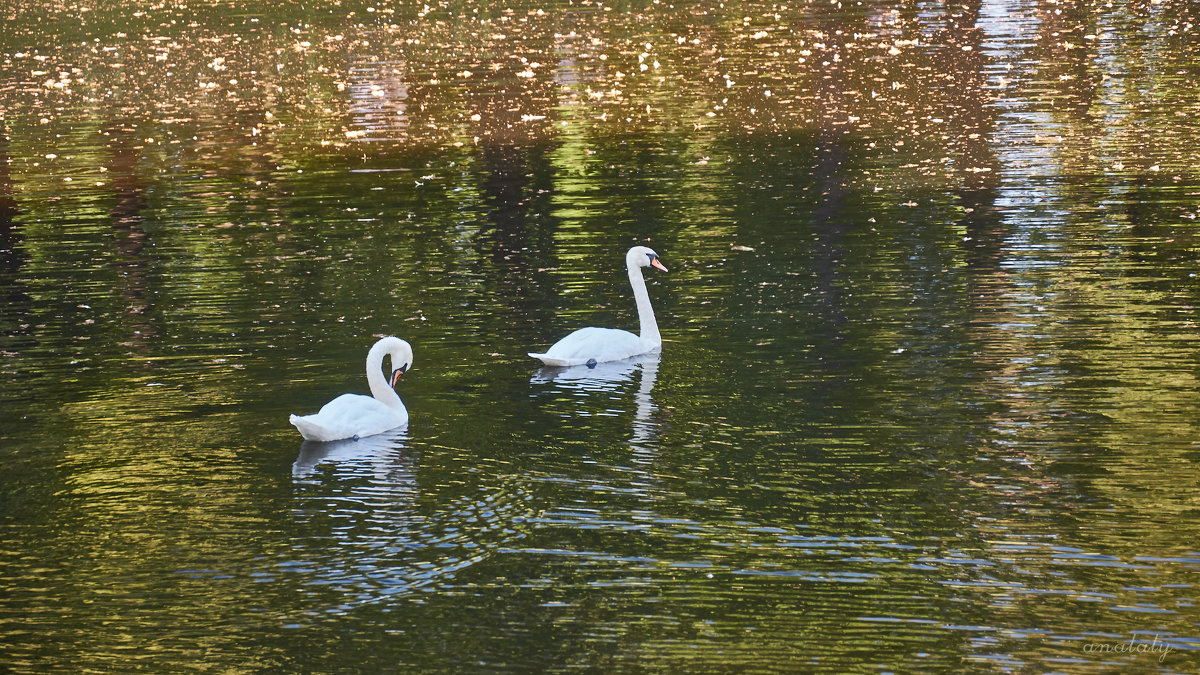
(356, 416)
(596, 345)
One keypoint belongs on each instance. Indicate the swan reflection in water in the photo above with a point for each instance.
(381, 456)
(609, 377)
(360, 533)
(365, 535)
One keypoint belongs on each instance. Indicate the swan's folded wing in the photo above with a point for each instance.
(347, 416)
(593, 344)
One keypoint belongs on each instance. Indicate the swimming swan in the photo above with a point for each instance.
(354, 415)
(596, 345)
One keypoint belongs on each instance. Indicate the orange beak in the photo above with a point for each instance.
(396, 375)
(654, 261)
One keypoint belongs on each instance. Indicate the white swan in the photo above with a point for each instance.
(354, 415)
(596, 345)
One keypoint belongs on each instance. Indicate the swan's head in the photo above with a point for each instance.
(400, 354)
(642, 256)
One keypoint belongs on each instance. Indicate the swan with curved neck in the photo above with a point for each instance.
(355, 415)
(589, 346)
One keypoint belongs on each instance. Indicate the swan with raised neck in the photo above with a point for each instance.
(591, 345)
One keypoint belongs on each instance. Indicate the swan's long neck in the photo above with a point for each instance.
(649, 326)
(380, 388)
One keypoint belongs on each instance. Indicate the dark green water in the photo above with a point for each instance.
(928, 398)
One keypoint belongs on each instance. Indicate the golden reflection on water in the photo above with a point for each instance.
(910, 96)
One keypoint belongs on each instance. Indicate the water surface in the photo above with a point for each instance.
(927, 398)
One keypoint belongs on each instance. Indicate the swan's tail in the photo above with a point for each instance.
(550, 360)
(307, 429)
